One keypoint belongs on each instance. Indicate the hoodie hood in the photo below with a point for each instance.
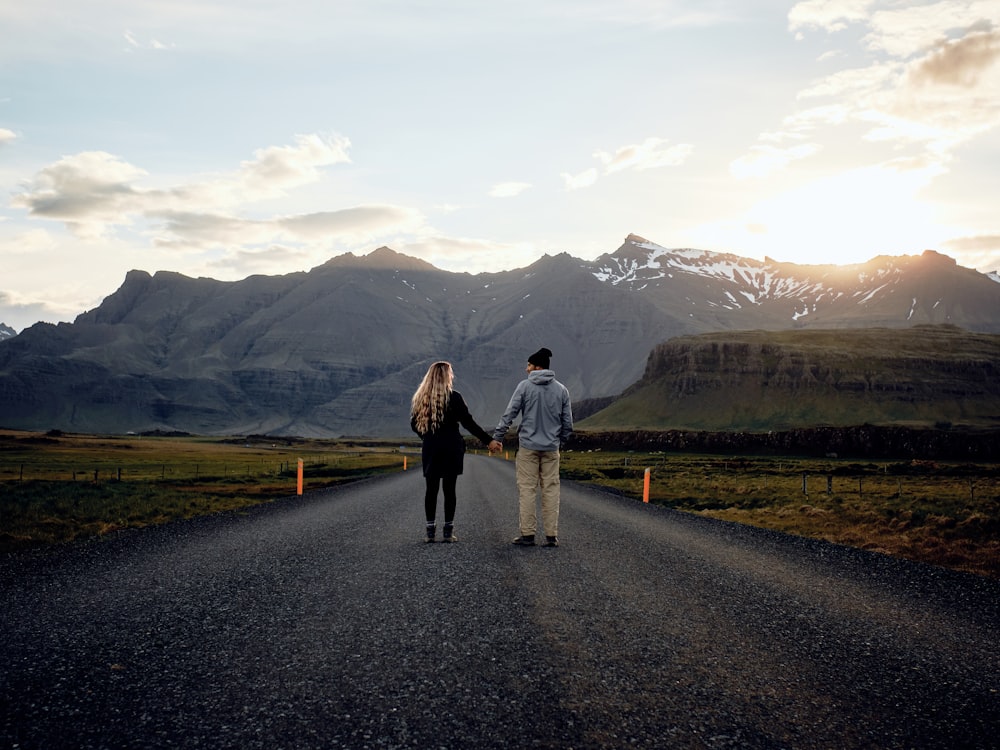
(541, 377)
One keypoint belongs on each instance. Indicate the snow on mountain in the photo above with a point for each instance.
(651, 261)
(6, 332)
(640, 262)
(889, 290)
(738, 281)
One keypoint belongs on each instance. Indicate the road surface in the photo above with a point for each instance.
(324, 622)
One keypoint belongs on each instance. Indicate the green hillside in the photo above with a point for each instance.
(770, 380)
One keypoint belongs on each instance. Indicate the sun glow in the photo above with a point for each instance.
(847, 218)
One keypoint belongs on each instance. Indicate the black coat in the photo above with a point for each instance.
(443, 450)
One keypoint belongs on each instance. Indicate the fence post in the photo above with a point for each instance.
(299, 483)
(645, 486)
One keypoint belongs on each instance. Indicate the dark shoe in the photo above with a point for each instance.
(527, 540)
(448, 533)
(431, 531)
(551, 541)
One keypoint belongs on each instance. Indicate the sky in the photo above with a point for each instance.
(225, 138)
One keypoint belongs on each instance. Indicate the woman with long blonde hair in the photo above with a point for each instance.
(436, 411)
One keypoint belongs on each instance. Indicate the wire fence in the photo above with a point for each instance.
(742, 481)
(103, 470)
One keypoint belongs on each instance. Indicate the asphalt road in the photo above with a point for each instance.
(324, 622)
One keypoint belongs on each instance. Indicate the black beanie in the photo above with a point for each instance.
(540, 358)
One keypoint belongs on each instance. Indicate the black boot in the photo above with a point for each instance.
(431, 531)
(448, 534)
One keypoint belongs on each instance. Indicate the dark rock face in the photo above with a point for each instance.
(340, 349)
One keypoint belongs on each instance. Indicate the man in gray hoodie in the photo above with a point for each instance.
(546, 423)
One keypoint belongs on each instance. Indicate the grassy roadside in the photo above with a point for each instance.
(945, 514)
(55, 488)
(59, 487)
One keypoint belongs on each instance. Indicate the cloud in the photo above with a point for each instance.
(356, 224)
(6, 136)
(770, 156)
(960, 62)
(20, 312)
(903, 29)
(189, 229)
(469, 254)
(21, 315)
(657, 14)
(134, 43)
(828, 15)
(989, 242)
(584, 179)
(976, 251)
(29, 242)
(853, 83)
(97, 195)
(932, 81)
(94, 192)
(247, 262)
(279, 168)
(88, 192)
(652, 153)
(359, 221)
(509, 189)
(766, 160)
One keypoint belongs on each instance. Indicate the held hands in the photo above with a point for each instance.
(495, 446)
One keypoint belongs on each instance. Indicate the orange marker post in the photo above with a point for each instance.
(645, 487)
(404, 463)
(300, 477)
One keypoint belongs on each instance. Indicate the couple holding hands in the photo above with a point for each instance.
(437, 410)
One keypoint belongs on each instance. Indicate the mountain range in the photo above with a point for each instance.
(338, 350)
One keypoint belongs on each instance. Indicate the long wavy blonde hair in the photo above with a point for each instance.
(431, 399)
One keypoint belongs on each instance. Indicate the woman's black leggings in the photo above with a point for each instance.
(431, 497)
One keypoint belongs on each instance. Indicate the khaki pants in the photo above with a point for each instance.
(538, 469)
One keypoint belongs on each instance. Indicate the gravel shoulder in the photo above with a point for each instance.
(324, 622)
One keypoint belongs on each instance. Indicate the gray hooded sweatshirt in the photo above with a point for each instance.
(545, 409)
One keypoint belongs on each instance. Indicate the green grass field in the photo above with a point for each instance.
(56, 488)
